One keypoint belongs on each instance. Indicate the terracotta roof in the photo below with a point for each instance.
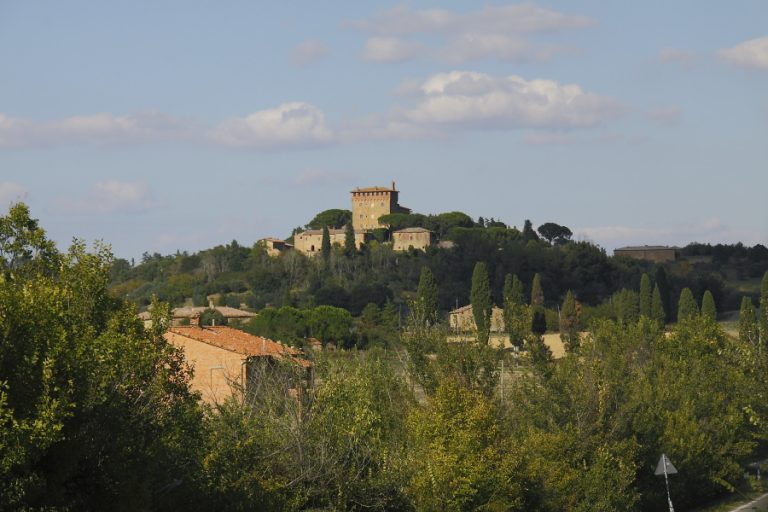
(645, 248)
(228, 312)
(240, 342)
(461, 309)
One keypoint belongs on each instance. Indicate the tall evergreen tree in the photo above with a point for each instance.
(325, 244)
(528, 232)
(748, 330)
(764, 311)
(657, 308)
(569, 323)
(708, 308)
(480, 296)
(537, 292)
(349, 240)
(646, 296)
(686, 306)
(663, 284)
(514, 310)
(426, 304)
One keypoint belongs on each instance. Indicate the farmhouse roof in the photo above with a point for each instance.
(240, 342)
(460, 310)
(189, 312)
(646, 248)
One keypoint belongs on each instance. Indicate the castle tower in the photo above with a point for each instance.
(370, 203)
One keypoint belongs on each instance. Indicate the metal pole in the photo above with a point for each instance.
(666, 480)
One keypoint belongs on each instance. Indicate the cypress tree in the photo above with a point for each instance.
(325, 245)
(764, 311)
(663, 284)
(569, 323)
(645, 296)
(480, 297)
(349, 240)
(537, 293)
(514, 310)
(657, 308)
(747, 322)
(426, 304)
(708, 308)
(686, 306)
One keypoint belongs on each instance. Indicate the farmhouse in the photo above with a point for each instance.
(185, 315)
(655, 253)
(227, 361)
(274, 246)
(462, 319)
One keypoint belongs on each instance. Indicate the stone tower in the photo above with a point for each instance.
(370, 203)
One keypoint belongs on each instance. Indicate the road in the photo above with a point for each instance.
(761, 503)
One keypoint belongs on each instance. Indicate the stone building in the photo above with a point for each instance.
(368, 204)
(418, 238)
(227, 361)
(274, 246)
(311, 241)
(655, 253)
(462, 319)
(187, 314)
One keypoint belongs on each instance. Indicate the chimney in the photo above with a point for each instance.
(210, 304)
(393, 184)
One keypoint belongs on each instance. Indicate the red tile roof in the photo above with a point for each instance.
(240, 342)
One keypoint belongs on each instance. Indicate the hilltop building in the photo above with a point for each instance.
(310, 242)
(274, 246)
(655, 253)
(417, 238)
(462, 319)
(368, 204)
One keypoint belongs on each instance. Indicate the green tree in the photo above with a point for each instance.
(325, 244)
(426, 303)
(708, 308)
(350, 248)
(516, 322)
(686, 305)
(664, 292)
(555, 233)
(748, 328)
(537, 293)
(764, 311)
(646, 296)
(212, 317)
(333, 218)
(657, 307)
(528, 232)
(480, 297)
(331, 325)
(569, 323)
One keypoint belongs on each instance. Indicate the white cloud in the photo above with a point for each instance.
(476, 100)
(111, 196)
(289, 124)
(749, 54)
(684, 58)
(308, 52)
(99, 129)
(502, 32)
(390, 49)
(10, 192)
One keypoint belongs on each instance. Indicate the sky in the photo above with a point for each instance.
(164, 126)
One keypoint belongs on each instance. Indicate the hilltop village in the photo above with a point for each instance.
(369, 204)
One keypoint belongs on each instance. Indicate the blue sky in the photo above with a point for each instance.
(169, 125)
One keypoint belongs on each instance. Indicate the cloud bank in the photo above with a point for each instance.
(752, 54)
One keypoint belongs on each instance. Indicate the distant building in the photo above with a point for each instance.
(368, 204)
(310, 242)
(462, 319)
(274, 246)
(418, 238)
(184, 315)
(655, 253)
(226, 360)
